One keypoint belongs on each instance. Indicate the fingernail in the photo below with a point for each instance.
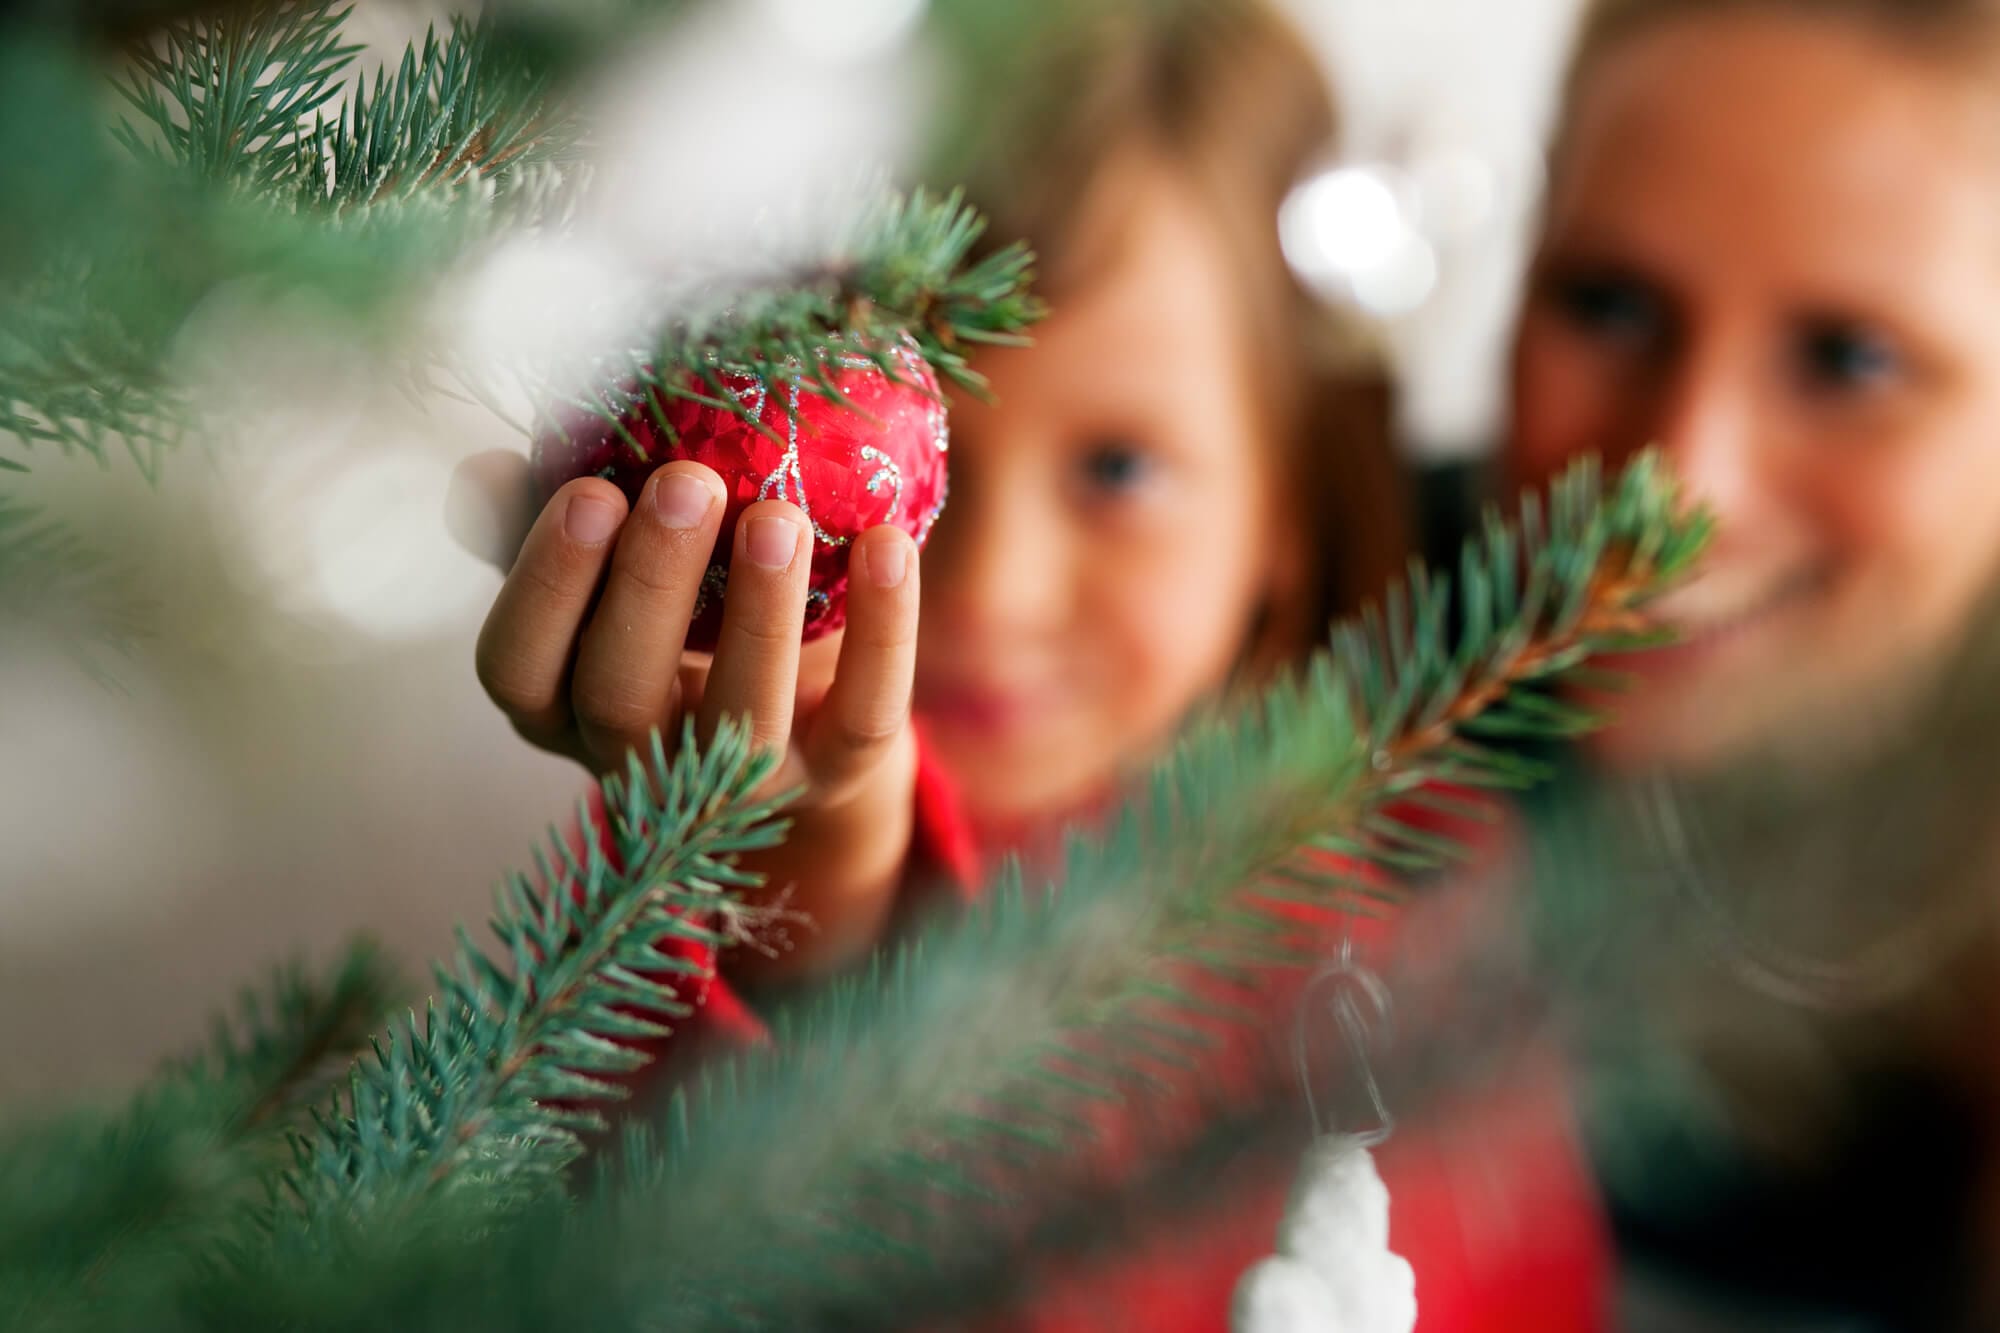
(771, 542)
(681, 500)
(589, 521)
(887, 562)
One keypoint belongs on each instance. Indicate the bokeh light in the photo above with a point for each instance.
(1349, 234)
(375, 552)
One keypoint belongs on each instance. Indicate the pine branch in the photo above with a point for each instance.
(52, 581)
(165, 1215)
(945, 1099)
(289, 1042)
(224, 185)
(223, 96)
(75, 376)
(456, 111)
(952, 1081)
(904, 268)
(224, 182)
(89, 336)
(102, 1215)
(97, 1212)
(492, 1090)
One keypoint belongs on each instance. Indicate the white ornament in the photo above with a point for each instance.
(1334, 1271)
(1339, 1204)
(1280, 1295)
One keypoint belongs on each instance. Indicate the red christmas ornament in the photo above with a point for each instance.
(849, 468)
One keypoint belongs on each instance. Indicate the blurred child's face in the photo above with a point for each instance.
(1112, 530)
(1773, 249)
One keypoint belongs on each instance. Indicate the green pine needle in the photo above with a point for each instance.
(54, 583)
(224, 96)
(235, 177)
(888, 1084)
(290, 1041)
(456, 110)
(905, 268)
(907, 1122)
(99, 1213)
(491, 1090)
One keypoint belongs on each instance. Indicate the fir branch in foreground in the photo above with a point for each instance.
(225, 95)
(229, 175)
(54, 582)
(290, 1041)
(954, 1080)
(493, 1088)
(927, 1113)
(99, 1212)
(457, 110)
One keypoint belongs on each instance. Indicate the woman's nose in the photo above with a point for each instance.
(1705, 418)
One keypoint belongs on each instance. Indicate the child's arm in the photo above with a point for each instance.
(583, 653)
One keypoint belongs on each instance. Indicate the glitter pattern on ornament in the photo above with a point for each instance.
(879, 457)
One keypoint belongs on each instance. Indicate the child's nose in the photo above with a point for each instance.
(994, 566)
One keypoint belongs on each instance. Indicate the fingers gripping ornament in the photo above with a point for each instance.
(1334, 1271)
(877, 458)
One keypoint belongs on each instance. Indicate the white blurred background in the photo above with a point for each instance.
(301, 751)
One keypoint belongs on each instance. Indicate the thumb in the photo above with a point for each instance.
(490, 506)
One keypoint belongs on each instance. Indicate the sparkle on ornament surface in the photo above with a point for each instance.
(845, 30)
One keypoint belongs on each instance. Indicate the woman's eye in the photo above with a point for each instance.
(1611, 306)
(1114, 467)
(1836, 356)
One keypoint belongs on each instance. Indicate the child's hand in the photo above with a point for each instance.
(583, 653)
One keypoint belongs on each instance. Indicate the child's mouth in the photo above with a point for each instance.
(977, 710)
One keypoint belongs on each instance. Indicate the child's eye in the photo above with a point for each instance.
(1611, 305)
(1832, 355)
(1114, 467)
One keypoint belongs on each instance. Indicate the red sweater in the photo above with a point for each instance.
(1493, 1207)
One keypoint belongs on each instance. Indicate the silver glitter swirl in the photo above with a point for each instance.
(888, 472)
(752, 396)
(787, 482)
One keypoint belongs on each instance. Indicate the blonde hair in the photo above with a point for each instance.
(1228, 94)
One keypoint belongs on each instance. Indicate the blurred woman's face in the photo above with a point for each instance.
(1773, 250)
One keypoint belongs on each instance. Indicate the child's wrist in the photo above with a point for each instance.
(840, 868)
